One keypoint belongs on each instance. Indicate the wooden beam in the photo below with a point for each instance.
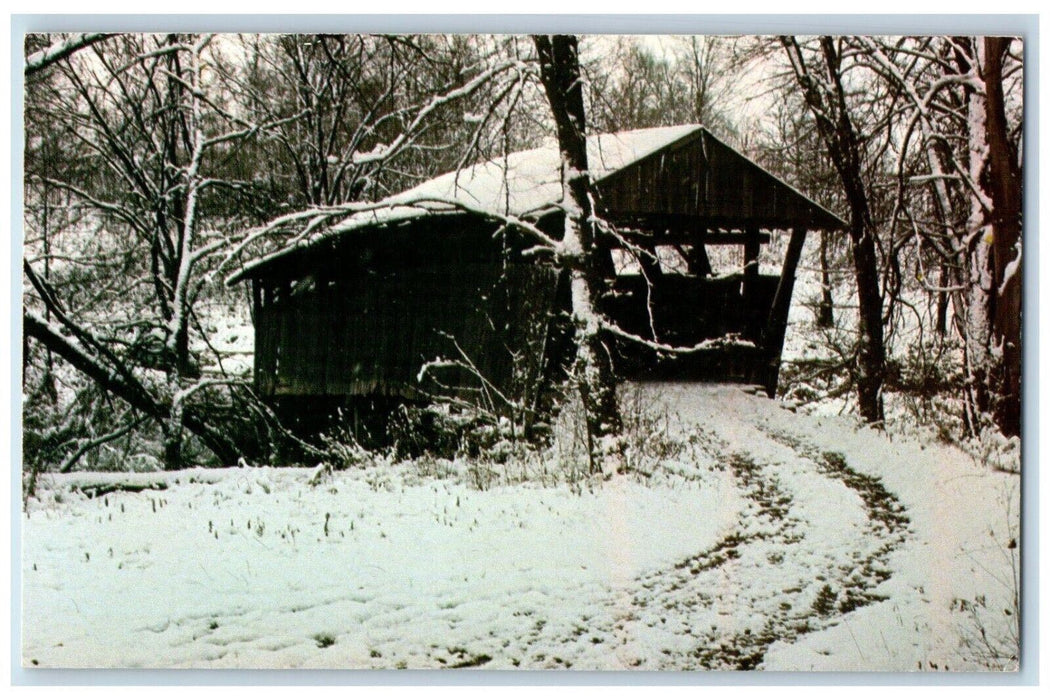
(604, 262)
(692, 237)
(785, 221)
(776, 325)
(256, 298)
(752, 241)
(754, 238)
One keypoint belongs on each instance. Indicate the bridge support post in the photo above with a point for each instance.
(776, 324)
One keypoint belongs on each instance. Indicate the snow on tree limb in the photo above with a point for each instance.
(43, 58)
(730, 340)
(88, 445)
(120, 382)
(922, 106)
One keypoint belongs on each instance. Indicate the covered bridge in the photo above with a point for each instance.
(430, 274)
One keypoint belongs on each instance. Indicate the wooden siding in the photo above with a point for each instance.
(702, 181)
(367, 319)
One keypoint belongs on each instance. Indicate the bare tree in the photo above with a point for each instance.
(148, 125)
(821, 81)
(339, 100)
(963, 110)
(632, 87)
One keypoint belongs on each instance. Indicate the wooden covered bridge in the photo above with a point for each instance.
(358, 310)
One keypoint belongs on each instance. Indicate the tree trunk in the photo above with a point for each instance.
(1004, 186)
(172, 426)
(871, 353)
(825, 309)
(942, 301)
(579, 252)
(993, 230)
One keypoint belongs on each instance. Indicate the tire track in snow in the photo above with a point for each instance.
(712, 596)
(888, 522)
(703, 611)
(794, 564)
(764, 581)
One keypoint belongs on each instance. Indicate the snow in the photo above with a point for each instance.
(748, 547)
(46, 56)
(520, 184)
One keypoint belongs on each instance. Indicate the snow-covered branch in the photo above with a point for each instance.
(39, 60)
(731, 340)
(69, 462)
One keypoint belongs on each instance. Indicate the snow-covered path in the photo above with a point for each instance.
(947, 587)
(776, 541)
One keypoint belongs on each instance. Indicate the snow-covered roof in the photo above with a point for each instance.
(524, 184)
(518, 184)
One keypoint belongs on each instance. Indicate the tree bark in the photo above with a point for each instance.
(942, 301)
(993, 231)
(579, 252)
(1004, 186)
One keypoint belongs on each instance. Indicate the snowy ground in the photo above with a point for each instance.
(772, 540)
